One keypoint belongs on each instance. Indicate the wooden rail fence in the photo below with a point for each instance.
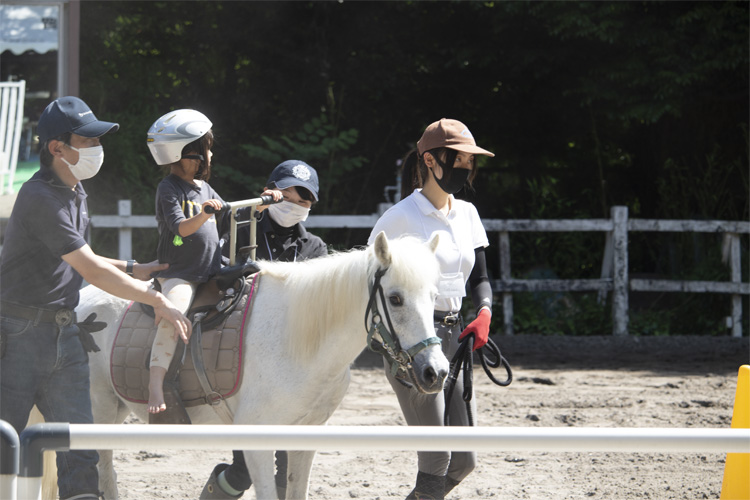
(614, 277)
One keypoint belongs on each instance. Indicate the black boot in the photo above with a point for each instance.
(450, 483)
(282, 462)
(212, 490)
(428, 487)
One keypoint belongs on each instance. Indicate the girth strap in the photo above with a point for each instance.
(196, 353)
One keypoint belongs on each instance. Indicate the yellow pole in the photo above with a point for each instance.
(736, 484)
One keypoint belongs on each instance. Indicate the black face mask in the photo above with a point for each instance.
(455, 183)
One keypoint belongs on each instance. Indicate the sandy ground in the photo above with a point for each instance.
(565, 382)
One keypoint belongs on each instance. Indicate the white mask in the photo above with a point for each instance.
(287, 214)
(89, 162)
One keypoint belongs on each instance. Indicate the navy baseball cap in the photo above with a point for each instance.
(70, 114)
(294, 173)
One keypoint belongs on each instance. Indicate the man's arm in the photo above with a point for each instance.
(101, 273)
(140, 271)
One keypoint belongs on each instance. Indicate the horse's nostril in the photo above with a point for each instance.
(432, 377)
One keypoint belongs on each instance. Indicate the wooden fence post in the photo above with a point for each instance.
(620, 275)
(607, 261)
(504, 241)
(125, 245)
(736, 272)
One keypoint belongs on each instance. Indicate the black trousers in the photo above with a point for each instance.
(239, 478)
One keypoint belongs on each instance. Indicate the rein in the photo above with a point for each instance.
(463, 360)
(399, 360)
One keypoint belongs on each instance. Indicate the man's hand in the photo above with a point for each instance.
(480, 327)
(143, 272)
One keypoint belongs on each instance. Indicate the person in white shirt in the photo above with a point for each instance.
(442, 165)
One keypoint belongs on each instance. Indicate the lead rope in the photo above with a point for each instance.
(463, 360)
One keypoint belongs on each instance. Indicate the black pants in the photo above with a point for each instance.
(239, 478)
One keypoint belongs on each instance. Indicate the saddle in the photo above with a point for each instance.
(209, 369)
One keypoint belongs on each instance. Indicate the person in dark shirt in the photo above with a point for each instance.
(280, 236)
(45, 258)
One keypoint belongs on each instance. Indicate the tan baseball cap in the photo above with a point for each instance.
(447, 133)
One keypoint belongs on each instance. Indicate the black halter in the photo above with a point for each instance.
(399, 360)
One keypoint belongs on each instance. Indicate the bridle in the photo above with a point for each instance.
(399, 360)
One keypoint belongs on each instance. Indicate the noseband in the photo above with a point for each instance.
(399, 360)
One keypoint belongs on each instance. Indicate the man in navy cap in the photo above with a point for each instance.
(282, 237)
(44, 260)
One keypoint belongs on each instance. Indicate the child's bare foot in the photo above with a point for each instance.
(156, 400)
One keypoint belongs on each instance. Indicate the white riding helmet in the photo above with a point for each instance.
(173, 131)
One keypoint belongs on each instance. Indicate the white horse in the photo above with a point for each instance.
(307, 326)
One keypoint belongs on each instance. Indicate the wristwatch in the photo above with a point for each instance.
(129, 267)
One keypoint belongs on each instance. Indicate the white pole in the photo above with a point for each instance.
(29, 488)
(343, 438)
(8, 486)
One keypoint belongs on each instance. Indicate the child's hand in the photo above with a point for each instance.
(275, 193)
(215, 204)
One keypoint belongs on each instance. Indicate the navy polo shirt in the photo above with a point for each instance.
(49, 220)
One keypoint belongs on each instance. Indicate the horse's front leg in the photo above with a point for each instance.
(260, 465)
(298, 474)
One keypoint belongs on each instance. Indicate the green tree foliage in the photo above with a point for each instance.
(586, 104)
(319, 143)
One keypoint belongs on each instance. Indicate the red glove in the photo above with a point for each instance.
(480, 327)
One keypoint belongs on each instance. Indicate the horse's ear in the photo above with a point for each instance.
(382, 252)
(433, 243)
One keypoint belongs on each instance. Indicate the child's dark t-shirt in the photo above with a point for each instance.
(194, 258)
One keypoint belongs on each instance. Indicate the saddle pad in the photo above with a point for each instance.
(222, 354)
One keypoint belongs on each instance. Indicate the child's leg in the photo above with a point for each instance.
(180, 293)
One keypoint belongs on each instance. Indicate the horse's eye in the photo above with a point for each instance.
(395, 300)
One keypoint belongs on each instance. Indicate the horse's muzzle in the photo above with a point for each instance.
(428, 379)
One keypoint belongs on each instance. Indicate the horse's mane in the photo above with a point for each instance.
(322, 291)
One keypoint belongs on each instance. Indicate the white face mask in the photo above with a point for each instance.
(89, 162)
(287, 214)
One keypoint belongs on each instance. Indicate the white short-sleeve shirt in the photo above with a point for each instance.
(461, 232)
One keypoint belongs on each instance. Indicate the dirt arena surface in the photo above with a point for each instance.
(559, 382)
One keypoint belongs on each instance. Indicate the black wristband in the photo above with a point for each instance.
(129, 267)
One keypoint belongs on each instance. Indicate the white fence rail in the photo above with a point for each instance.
(615, 276)
(61, 437)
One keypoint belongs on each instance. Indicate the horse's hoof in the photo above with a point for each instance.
(212, 490)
